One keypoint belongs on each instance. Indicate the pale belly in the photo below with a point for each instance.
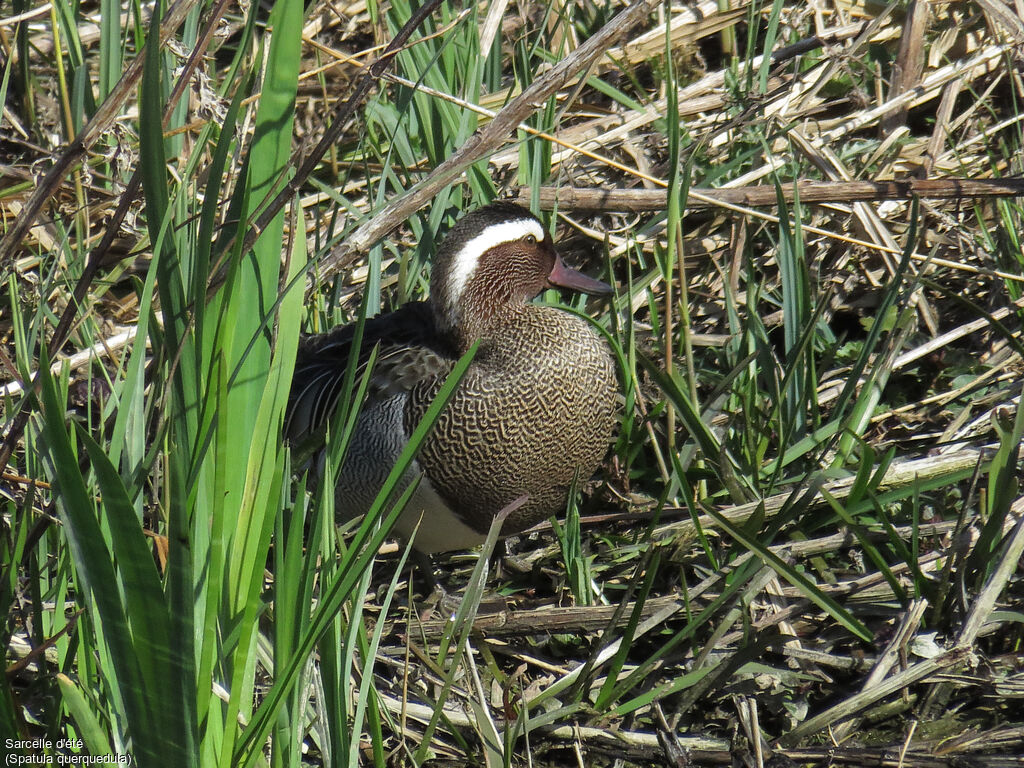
(429, 523)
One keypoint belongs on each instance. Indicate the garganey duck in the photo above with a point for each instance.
(535, 412)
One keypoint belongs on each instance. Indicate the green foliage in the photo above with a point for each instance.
(177, 573)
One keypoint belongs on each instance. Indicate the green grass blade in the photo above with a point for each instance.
(794, 577)
(95, 569)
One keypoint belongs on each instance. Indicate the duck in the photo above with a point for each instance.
(535, 413)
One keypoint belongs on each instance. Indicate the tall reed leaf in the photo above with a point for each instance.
(125, 645)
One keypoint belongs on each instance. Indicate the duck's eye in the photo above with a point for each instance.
(531, 239)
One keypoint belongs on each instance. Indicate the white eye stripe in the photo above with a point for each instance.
(469, 255)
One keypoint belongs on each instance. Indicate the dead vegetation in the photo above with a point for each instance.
(806, 548)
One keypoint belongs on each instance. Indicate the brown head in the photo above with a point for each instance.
(494, 261)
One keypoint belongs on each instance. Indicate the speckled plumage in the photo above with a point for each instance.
(530, 414)
(536, 410)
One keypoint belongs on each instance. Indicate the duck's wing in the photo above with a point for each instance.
(410, 350)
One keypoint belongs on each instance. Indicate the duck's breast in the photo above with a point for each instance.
(535, 413)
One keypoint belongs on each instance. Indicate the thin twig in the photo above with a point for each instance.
(485, 140)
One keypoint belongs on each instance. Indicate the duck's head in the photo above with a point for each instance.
(494, 261)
